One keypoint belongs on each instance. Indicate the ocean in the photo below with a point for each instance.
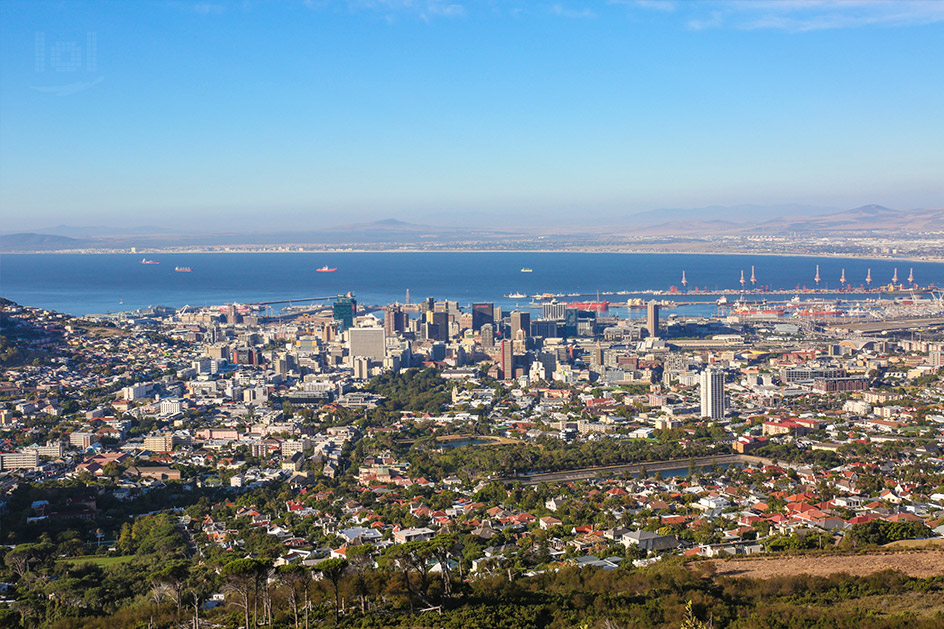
(100, 283)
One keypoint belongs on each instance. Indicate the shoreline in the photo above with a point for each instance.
(343, 250)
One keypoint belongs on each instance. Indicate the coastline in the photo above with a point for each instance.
(593, 250)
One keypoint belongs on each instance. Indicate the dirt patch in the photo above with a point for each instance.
(917, 543)
(920, 564)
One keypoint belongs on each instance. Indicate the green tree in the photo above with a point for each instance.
(241, 577)
(333, 571)
(361, 559)
(295, 578)
(174, 578)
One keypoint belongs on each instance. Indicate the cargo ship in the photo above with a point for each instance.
(326, 269)
(815, 308)
(747, 309)
(819, 313)
(183, 269)
(146, 261)
(595, 306)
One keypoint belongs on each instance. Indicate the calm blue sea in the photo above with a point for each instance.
(99, 283)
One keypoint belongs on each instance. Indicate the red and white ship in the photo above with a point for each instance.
(596, 306)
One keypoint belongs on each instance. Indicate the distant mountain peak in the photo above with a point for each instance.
(873, 209)
(391, 222)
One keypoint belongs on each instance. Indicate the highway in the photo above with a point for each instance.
(889, 326)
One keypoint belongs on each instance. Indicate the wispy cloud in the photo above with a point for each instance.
(561, 10)
(205, 8)
(201, 7)
(711, 20)
(424, 9)
(667, 6)
(812, 15)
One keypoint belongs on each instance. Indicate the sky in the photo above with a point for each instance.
(291, 114)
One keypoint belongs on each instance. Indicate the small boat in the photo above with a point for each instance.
(525, 269)
(183, 269)
(146, 261)
(326, 269)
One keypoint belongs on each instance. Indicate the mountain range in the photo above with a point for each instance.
(680, 223)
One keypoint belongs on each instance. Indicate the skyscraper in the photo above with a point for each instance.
(553, 310)
(488, 335)
(652, 318)
(712, 393)
(571, 317)
(545, 328)
(507, 360)
(394, 320)
(520, 321)
(344, 310)
(441, 321)
(367, 342)
(482, 314)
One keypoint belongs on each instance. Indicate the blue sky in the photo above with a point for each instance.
(246, 114)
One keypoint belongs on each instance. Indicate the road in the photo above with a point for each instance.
(889, 326)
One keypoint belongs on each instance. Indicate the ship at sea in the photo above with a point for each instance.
(525, 269)
(815, 308)
(326, 269)
(761, 310)
(595, 306)
(516, 295)
(183, 269)
(146, 261)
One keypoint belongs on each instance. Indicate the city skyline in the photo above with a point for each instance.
(329, 113)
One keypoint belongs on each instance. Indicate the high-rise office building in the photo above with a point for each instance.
(344, 310)
(652, 318)
(570, 322)
(488, 335)
(520, 322)
(482, 313)
(361, 366)
(441, 321)
(546, 328)
(507, 359)
(430, 331)
(553, 310)
(367, 342)
(712, 393)
(394, 320)
(437, 351)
